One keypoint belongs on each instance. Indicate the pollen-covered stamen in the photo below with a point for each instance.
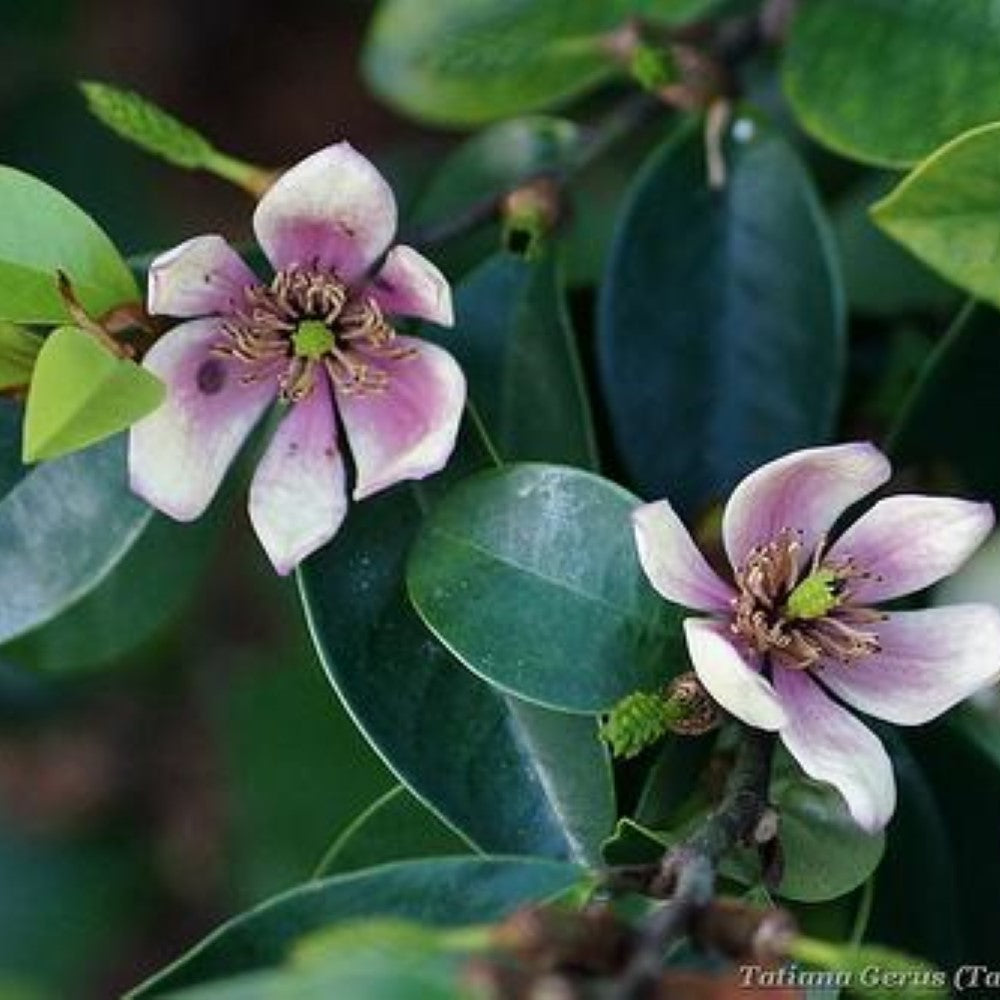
(306, 321)
(799, 618)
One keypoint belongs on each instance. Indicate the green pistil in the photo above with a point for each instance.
(815, 596)
(313, 340)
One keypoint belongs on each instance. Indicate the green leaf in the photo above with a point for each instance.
(887, 81)
(138, 120)
(511, 777)
(715, 357)
(448, 892)
(529, 575)
(514, 341)
(63, 528)
(18, 350)
(81, 393)
(394, 827)
(674, 11)
(945, 212)
(41, 233)
(466, 62)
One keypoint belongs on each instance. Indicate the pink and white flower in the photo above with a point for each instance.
(316, 337)
(794, 635)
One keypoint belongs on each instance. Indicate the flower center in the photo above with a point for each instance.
(798, 619)
(304, 321)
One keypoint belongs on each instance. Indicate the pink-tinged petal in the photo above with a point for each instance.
(298, 498)
(805, 491)
(929, 661)
(202, 277)
(671, 560)
(408, 430)
(333, 211)
(833, 746)
(907, 543)
(180, 452)
(729, 678)
(408, 284)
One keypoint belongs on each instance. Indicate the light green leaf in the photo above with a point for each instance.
(444, 892)
(945, 212)
(529, 575)
(394, 827)
(18, 350)
(887, 81)
(81, 393)
(465, 62)
(41, 233)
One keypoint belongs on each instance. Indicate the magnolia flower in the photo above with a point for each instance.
(795, 636)
(315, 337)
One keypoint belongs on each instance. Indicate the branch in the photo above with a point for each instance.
(687, 872)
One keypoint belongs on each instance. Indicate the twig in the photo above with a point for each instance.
(687, 872)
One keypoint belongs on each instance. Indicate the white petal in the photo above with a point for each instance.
(907, 543)
(408, 430)
(672, 562)
(408, 284)
(930, 660)
(833, 746)
(805, 491)
(203, 277)
(333, 211)
(180, 452)
(297, 497)
(729, 679)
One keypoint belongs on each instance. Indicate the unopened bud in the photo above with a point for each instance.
(529, 214)
(694, 711)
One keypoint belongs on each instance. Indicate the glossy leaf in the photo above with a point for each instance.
(394, 827)
(41, 233)
(888, 81)
(81, 393)
(448, 892)
(513, 778)
(457, 62)
(514, 341)
(716, 351)
(18, 350)
(945, 214)
(63, 528)
(530, 575)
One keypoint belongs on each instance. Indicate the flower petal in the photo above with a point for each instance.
(907, 543)
(408, 284)
(672, 562)
(333, 210)
(929, 661)
(180, 452)
(805, 491)
(298, 498)
(203, 277)
(408, 430)
(833, 746)
(729, 679)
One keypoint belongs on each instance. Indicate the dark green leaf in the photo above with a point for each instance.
(512, 778)
(945, 212)
(41, 233)
(81, 393)
(887, 81)
(530, 575)
(464, 62)
(18, 350)
(394, 827)
(63, 528)
(515, 343)
(448, 892)
(721, 318)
